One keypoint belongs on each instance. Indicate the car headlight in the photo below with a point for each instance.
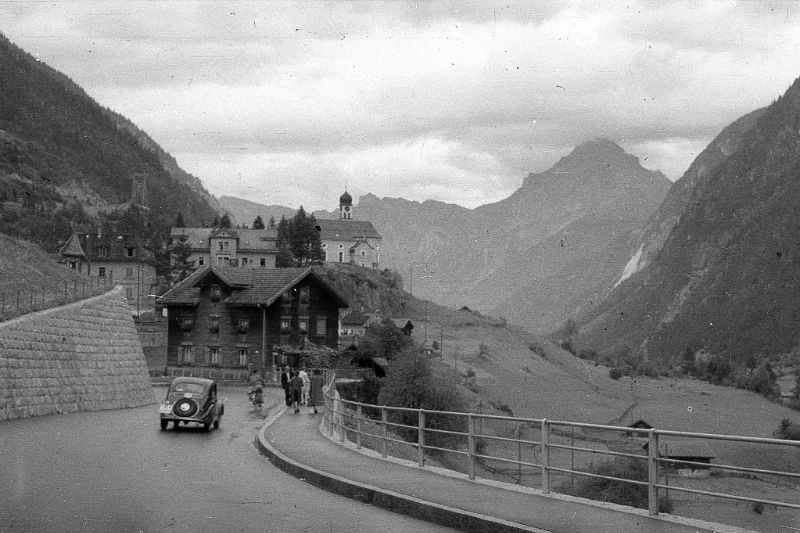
(165, 409)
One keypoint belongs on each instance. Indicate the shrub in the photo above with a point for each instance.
(615, 373)
(411, 382)
(609, 490)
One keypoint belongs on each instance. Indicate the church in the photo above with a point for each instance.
(346, 240)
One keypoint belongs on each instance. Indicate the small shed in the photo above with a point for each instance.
(640, 425)
(697, 454)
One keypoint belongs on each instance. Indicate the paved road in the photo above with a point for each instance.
(116, 471)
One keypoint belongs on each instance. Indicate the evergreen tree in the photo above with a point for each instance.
(179, 222)
(225, 221)
(258, 223)
(284, 256)
(215, 222)
(272, 222)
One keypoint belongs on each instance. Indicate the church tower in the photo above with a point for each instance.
(345, 206)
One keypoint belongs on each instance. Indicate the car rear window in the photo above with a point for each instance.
(188, 387)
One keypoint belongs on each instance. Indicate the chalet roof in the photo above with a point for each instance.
(262, 286)
(683, 449)
(72, 248)
(115, 247)
(252, 240)
(346, 230)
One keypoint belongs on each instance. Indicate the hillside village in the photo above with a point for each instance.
(597, 293)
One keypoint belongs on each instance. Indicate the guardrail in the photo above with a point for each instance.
(554, 454)
(14, 303)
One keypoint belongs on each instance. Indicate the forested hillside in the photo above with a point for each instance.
(66, 162)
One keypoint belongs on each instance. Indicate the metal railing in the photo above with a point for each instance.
(554, 454)
(17, 302)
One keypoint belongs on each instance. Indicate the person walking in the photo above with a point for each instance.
(296, 385)
(306, 386)
(315, 398)
(286, 379)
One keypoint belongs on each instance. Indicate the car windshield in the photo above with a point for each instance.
(188, 387)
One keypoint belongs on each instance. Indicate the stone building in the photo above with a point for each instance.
(226, 322)
(242, 248)
(120, 258)
(345, 240)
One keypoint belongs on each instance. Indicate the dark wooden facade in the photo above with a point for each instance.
(230, 318)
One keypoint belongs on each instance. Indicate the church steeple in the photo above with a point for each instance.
(345, 206)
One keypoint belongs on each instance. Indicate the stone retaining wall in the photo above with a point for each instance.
(85, 356)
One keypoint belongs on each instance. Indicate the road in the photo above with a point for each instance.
(116, 471)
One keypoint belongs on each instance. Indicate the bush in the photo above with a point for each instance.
(609, 490)
(411, 382)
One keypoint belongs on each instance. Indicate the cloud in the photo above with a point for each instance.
(450, 101)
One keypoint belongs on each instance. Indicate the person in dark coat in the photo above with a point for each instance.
(296, 385)
(286, 378)
(315, 398)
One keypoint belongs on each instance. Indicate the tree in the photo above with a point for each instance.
(215, 222)
(284, 255)
(384, 340)
(272, 222)
(298, 241)
(225, 221)
(179, 222)
(258, 223)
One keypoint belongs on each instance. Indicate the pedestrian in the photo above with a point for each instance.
(306, 386)
(315, 398)
(296, 385)
(286, 379)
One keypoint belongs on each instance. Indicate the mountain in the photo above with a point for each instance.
(555, 245)
(718, 268)
(245, 211)
(67, 162)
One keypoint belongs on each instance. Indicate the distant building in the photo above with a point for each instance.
(120, 258)
(241, 248)
(226, 321)
(345, 240)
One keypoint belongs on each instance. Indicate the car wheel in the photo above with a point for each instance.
(185, 407)
(164, 424)
(216, 423)
(206, 426)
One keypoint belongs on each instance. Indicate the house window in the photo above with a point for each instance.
(128, 272)
(286, 325)
(322, 326)
(219, 246)
(305, 295)
(263, 261)
(102, 251)
(130, 252)
(201, 260)
(244, 261)
(286, 303)
(129, 293)
(186, 354)
(341, 257)
(187, 323)
(243, 325)
(213, 324)
(73, 265)
(101, 272)
(216, 292)
(302, 326)
(363, 253)
(242, 356)
(213, 356)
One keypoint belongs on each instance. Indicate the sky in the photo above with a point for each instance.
(291, 103)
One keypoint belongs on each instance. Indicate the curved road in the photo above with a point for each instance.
(116, 471)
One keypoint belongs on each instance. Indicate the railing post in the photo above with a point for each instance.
(340, 416)
(421, 439)
(384, 421)
(545, 457)
(359, 414)
(471, 444)
(652, 472)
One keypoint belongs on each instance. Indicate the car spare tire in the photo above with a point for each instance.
(185, 407)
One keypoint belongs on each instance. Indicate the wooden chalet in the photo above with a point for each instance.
(226, 322)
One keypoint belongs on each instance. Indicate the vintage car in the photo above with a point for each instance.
(192, 400)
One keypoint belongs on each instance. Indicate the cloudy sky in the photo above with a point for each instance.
(289, 103)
